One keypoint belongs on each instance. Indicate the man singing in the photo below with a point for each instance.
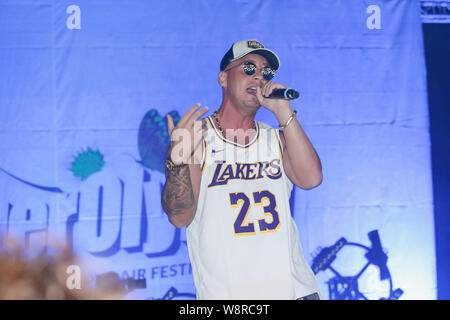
(231, 183)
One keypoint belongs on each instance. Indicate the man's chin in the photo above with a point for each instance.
(253, 103)
(253, 106)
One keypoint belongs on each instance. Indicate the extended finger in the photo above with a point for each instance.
(170, 125)
(189, 113)
(200, 113)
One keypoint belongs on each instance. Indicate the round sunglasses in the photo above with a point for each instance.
(249, 68)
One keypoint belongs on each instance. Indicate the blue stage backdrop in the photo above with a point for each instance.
(84, 89)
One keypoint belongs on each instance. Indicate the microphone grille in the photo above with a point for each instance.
(292, 94)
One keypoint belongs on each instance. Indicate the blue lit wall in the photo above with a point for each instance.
(85, 86)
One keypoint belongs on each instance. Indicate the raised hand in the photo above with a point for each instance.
(186, 137)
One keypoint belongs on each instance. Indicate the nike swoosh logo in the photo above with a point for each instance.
(216, 151)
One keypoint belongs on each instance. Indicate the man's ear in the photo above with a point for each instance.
(222, 79)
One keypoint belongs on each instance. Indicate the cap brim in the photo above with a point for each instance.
(271, 57)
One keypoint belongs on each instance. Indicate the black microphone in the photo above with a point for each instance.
(287, 93)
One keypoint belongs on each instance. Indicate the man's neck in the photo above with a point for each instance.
(237, 124)
(232, 117)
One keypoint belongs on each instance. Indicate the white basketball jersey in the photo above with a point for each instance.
(243, 242)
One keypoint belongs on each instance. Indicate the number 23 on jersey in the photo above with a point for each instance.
(271, 220)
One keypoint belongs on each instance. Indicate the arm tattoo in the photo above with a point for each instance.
(177, 194)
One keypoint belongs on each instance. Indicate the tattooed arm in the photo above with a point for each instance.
(180, 194)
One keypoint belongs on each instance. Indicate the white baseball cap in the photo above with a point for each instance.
(244, 47)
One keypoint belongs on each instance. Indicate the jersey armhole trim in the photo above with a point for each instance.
(205, 149)
(280, 146)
